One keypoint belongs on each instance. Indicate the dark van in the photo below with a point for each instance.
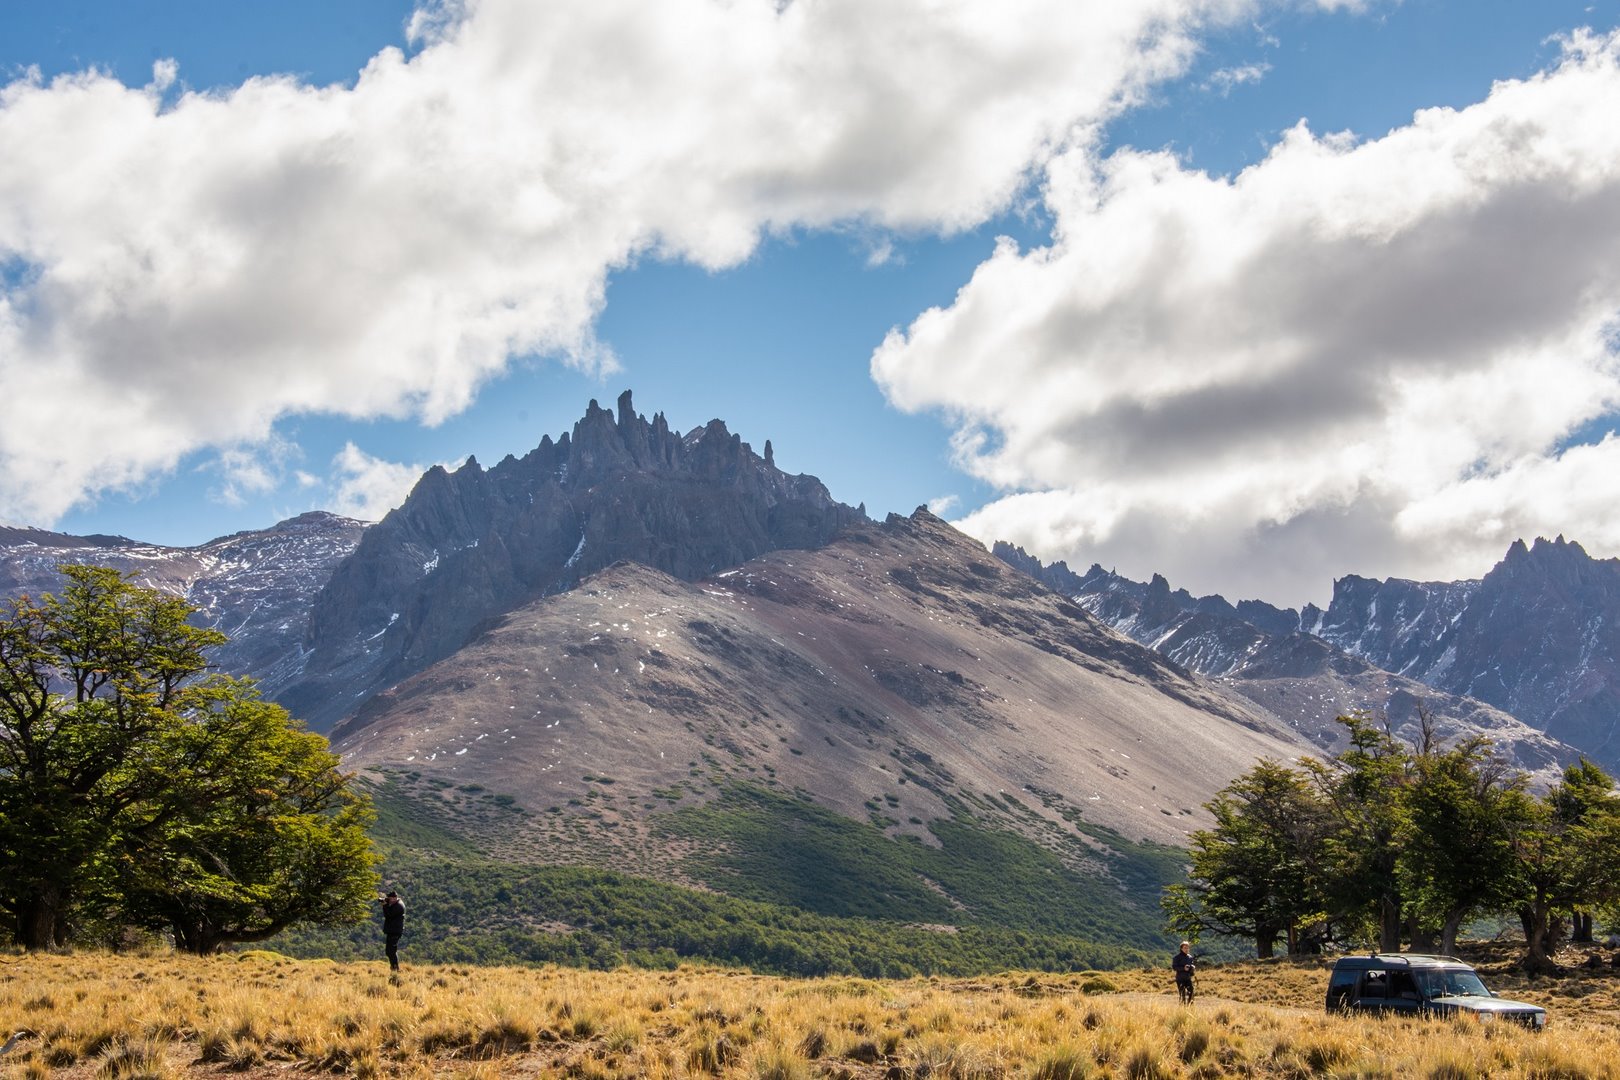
(1417, 985)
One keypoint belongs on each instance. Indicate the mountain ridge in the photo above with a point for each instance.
(1538, 636)
(256, 585)
(1262, 652)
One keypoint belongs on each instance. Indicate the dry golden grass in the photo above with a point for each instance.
(261, 1015)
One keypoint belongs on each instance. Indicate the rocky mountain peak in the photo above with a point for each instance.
(469, 545)
(1553, 563)
(1538, 636)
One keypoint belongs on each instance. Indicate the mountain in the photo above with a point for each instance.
(898, 676)
(1538, 636)
(637, 651)
(471, 545)
(1259, 651)
(255, 586)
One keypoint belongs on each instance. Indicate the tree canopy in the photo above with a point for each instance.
(1386, 843)
(138, 789)
(1254, 874)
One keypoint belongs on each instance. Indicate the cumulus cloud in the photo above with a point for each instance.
(1369, 356)
(188, 268)
(367, 487)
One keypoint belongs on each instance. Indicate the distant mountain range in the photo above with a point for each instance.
(577, 655)
(1528, 656)
(255, 586)
(1538, 636)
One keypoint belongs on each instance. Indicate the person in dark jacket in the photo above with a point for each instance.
(1182, 964)
(393, 912)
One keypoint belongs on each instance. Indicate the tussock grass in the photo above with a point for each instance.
(260, 1015)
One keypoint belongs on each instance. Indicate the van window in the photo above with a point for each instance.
(1342, 982)
(1452, 982)
(1374, 984)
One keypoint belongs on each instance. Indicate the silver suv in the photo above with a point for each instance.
(1418, 985)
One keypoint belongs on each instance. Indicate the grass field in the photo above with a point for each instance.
(259, 1014)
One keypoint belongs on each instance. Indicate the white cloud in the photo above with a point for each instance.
(944, 506)
(1351, 357)
(246, 471)
(197, 266)
(1224, 81)
(367, 487)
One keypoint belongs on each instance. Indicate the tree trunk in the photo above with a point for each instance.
(1389, 929)
(1581, 927)
(39, 919)
(1448, 934)
(1555, 932)
(1422, 937)
(205, 937)
(1264, 941)
(193, 936)
(1536, 958)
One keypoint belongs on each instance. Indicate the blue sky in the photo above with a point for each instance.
(208, 274)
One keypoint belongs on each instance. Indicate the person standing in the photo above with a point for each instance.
(393, 913)
(1182, 964)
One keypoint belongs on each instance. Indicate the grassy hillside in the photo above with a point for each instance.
(260, 1015)
(796, 890)
(757, 844)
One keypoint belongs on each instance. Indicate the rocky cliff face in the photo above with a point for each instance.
(1395, 622)
(1307, 681)
(255, 586)
(1538, 636)
(470, 545)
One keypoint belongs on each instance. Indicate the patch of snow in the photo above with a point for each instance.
(578, 551)
(392, 619)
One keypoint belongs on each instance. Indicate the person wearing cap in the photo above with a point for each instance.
(1182, 964)
(393, 913)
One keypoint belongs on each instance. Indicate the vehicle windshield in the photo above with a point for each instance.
(1451, 983)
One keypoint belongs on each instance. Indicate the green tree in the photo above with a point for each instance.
(88, 681)
(1585, 788)
(1569, 856)
(266, 831)
(1363, 790)
(1456, 855)
(1254, 874)
(122, 764)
